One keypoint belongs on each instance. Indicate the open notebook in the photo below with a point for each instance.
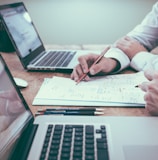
(28, 44)
(23, 136)
(112, 90)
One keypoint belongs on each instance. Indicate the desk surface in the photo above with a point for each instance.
(35, 80)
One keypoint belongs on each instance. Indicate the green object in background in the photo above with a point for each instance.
(5, 43)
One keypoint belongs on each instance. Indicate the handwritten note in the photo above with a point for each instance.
(108, 89)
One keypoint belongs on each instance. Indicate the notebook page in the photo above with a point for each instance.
(115, 88)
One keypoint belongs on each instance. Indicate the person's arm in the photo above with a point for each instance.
(140, 41)
(120, 57)
(151, 91)
(146, 33)
(10, 104)
(129, 46)
(113, 62)
(144, 60)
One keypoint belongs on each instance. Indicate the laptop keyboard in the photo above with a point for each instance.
(75, 142)
(57, 58)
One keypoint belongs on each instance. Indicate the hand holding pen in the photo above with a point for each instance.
(98, 59)
(150, 87)
(93, 64)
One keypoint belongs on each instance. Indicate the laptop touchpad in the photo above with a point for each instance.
(137, 152)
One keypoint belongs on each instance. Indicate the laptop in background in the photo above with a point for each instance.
(23, 136)
(28, 44)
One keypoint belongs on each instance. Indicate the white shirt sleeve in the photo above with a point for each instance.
(120, 56)
(147, 32)
(144, 60)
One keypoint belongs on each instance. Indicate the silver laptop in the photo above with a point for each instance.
(28, 44)
(45, 137)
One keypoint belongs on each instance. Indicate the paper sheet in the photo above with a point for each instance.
(117, 90)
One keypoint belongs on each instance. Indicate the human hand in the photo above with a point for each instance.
(151, 89)
(129, 46)
(10, 104)
(105, 66)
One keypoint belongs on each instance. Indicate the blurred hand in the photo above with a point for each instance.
(151, 89)
(105, 66)
(129, 46)
(10, 103)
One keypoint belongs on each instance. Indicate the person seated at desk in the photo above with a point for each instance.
(131, 50)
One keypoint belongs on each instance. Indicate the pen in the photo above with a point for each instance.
(71, 109)
(95, 62)
(139, 85)
(69, 113)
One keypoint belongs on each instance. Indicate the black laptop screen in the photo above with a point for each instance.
(13, 113)
(21, 29)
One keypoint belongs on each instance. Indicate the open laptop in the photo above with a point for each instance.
(28, 44)
(23, 136)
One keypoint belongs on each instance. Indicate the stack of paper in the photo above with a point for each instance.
(113, 90)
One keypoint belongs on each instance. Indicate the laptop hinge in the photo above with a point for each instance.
(22, 149)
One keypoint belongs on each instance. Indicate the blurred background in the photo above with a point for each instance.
(85, 21)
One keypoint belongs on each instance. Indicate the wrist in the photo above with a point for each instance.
(120, 57)
(114, 65)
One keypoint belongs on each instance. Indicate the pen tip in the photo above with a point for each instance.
(99, 109)
(37, 114)
(99, 113)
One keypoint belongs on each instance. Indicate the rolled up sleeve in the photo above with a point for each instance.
(147, 32)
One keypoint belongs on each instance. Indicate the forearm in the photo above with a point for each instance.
(144, 60)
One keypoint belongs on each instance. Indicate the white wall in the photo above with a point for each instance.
(85, 21)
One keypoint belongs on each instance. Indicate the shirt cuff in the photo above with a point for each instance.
(120, 56)
(143, 61)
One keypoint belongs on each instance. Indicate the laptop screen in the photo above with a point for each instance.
(21, 29)
(14, 114)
